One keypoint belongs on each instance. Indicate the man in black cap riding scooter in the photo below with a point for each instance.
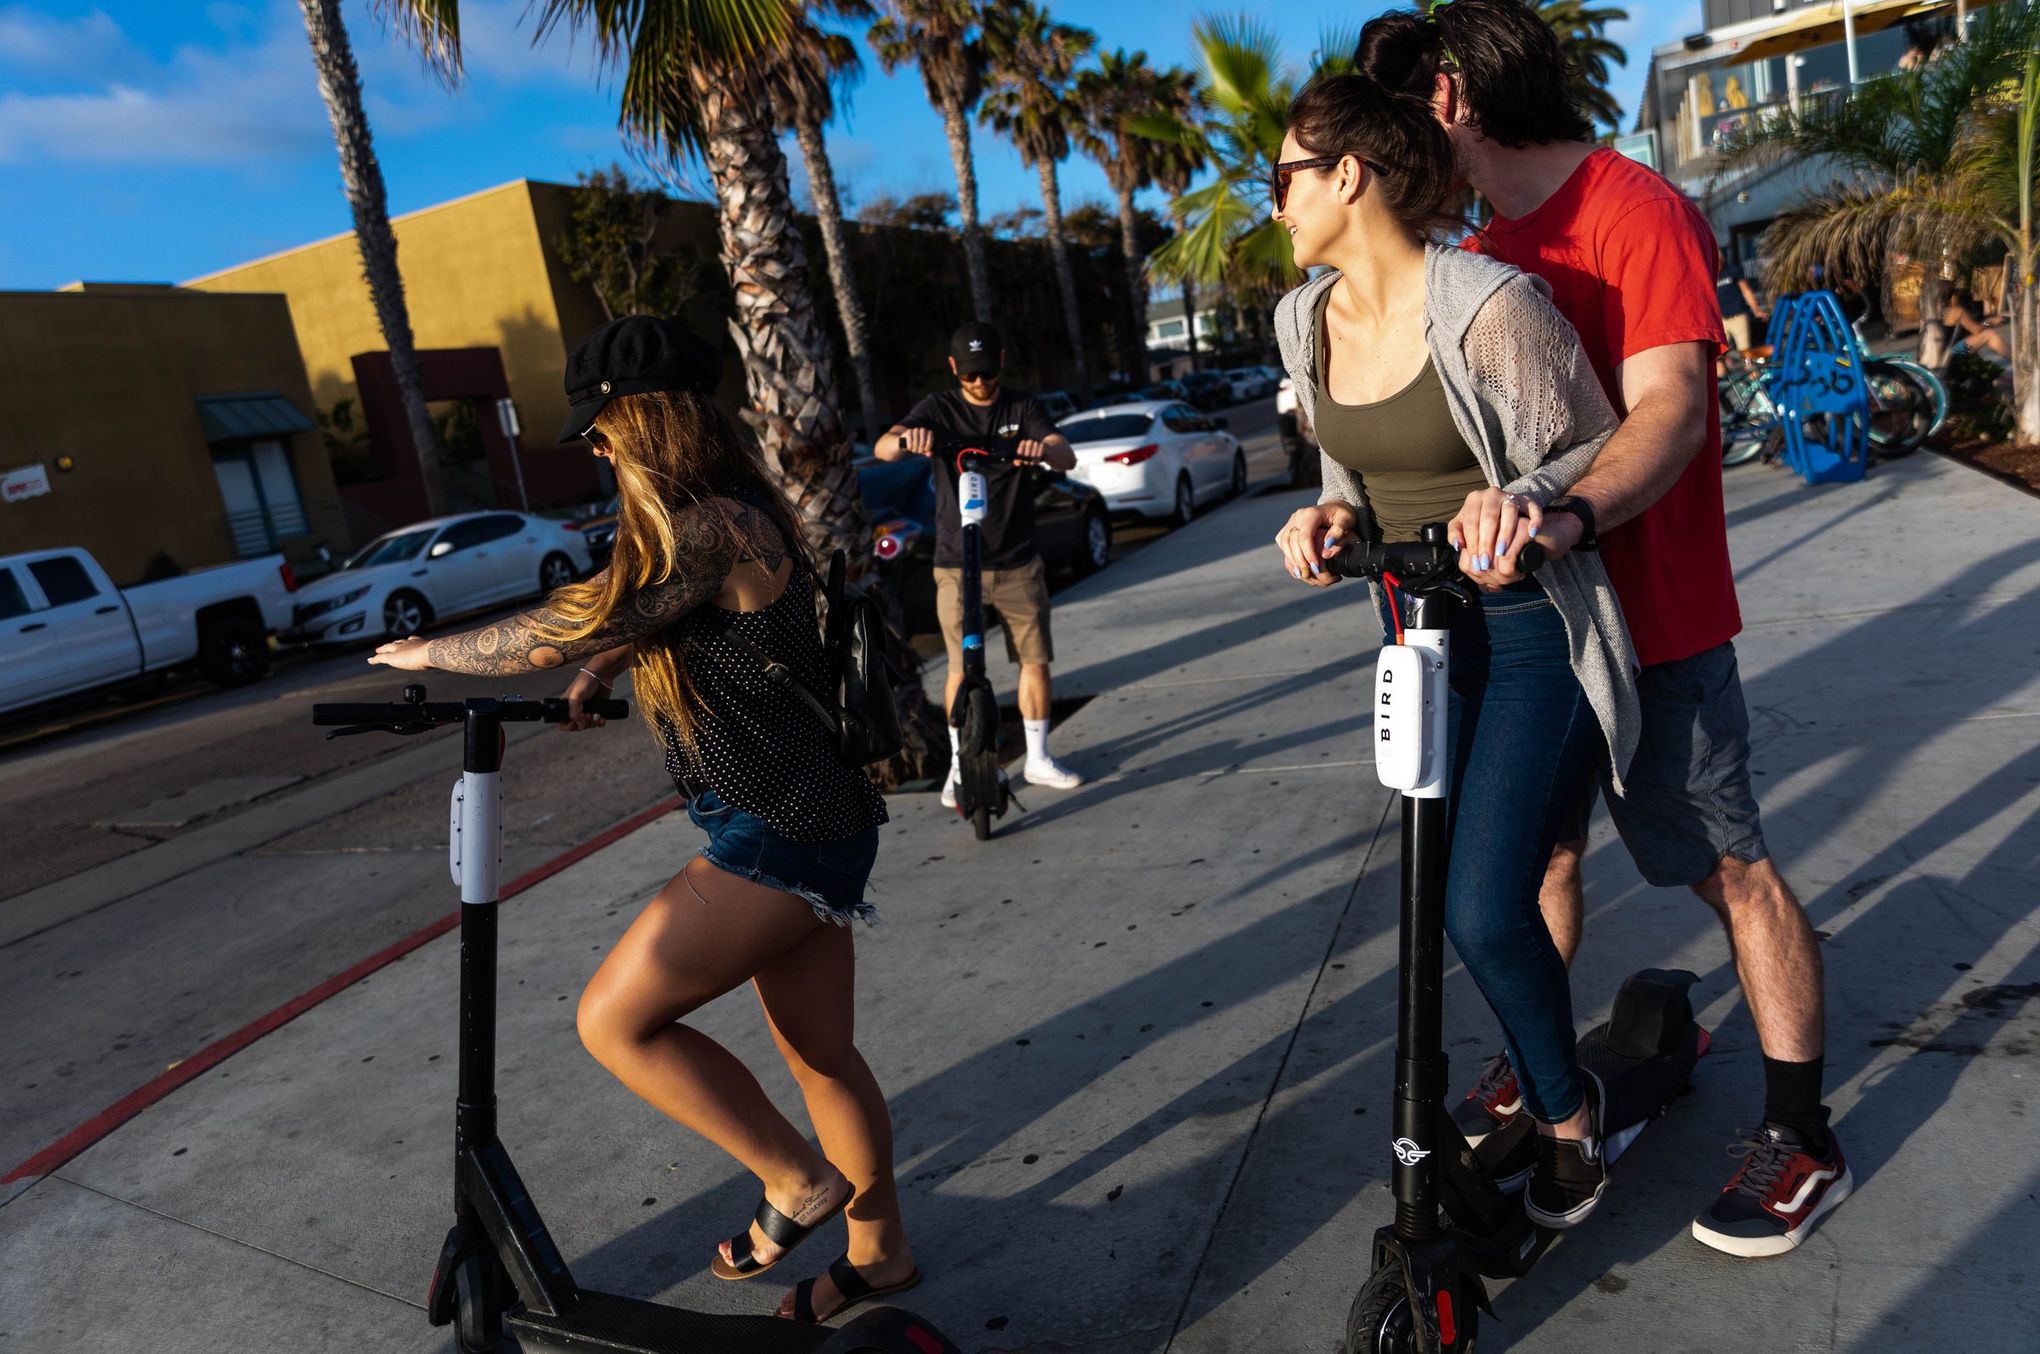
(1015, 581)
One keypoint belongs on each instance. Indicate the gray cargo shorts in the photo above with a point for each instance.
(1688, 802)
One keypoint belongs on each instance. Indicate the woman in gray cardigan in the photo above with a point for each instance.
(1444, 386)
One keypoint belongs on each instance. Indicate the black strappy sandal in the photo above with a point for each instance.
(784, 1233)
(852, 1285)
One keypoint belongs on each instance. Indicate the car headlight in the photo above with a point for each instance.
(311, 609)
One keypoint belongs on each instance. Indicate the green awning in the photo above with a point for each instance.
(258, 413)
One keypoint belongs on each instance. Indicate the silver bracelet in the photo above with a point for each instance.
(598, 679)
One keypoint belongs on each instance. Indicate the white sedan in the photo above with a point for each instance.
(1156, 458)
(398, 582)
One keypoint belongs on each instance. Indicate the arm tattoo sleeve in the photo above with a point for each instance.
(707, 548)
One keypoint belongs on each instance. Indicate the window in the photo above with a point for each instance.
(1182, 420)
(63, 580)
(12, 601)
(260, 491)
(497, 527)
(461, 536)
(1105, 428)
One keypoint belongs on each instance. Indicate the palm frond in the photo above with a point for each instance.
(431, 26)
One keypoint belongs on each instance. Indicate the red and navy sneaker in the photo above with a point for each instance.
(1492, 1105)
(1777, 1196)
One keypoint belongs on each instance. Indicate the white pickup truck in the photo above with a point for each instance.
(64, 626)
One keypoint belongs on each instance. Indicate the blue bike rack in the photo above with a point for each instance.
(1820, 382)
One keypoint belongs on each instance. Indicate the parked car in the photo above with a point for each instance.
(65, 628)
(401, 581)
(1110, 392)
(1160, 390)
(1208, 390)
(1057, 404)
(1156, 458)
(599, 530)
(1299, 443)
(1253, 383)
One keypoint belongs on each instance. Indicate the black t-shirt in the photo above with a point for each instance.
(1008, 540)
(1728, 290)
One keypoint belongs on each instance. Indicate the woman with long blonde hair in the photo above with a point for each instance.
(709, 579)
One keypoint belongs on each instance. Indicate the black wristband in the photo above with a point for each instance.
(1584, 511)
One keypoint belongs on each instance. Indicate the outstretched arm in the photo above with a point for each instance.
(705, 551)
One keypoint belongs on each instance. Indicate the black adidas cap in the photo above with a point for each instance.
(633, 355)
(977, 349)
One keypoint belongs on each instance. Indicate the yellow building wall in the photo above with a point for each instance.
(110, 379)
(476, 274)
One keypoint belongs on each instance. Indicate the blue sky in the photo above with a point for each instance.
(160, 140)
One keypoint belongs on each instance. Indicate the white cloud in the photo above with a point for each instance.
(40, 48)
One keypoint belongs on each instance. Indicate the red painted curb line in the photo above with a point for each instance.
(217, 1052)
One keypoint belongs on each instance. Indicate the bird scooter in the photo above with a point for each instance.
(982, 792)
(1458, 1206)
(499, 1269)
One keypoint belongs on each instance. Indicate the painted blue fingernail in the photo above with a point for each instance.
(1480, 561)
(1315, 570)
(1295, 572)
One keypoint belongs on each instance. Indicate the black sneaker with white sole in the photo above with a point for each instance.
(1782, 1190)
(1571, 1174)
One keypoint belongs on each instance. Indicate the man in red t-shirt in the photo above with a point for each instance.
(1632, 264)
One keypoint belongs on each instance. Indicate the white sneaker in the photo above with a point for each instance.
(949, 792)
(1052, 773)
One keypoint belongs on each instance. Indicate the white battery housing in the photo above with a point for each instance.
(1410, 714)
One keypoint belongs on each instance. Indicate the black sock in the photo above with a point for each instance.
(1792, 1100)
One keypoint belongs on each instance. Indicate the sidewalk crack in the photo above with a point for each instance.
(1275, 1082)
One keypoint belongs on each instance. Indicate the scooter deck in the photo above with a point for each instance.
(618, 1325)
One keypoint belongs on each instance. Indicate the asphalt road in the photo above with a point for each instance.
(279, 857)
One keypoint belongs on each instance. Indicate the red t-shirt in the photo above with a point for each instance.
(1632, 265)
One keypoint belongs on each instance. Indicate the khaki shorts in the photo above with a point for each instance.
(1019, 595)
(1740, 335)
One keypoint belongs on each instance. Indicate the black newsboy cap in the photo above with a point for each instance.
(633, 355)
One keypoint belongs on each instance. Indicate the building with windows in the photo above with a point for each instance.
(1753, 59)
(159, 428)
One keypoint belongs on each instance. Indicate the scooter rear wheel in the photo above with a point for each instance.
(1380, 1321)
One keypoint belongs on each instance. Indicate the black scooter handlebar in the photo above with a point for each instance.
(1426, 559)
(1001, 449)
(552, 710)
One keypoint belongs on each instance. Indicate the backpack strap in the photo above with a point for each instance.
(784, 677)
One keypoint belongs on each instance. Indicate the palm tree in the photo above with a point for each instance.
(361, 179)
(821, 66)
(1030, 62)
(1940, 163)
(942, 37)
(1175, 165)
(1225, 236)
(1122, 88)
(1580, 27)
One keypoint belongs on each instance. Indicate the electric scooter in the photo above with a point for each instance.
(1458, 1208)
(499, 1269)
(982, 792)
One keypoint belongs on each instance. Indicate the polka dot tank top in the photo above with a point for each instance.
(757, 746)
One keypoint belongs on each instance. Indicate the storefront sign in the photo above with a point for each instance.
(16, 485)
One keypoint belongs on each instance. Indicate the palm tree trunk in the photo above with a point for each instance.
(361, 179)
(2026, 353)
(1051, 211)
(1133, 348)
(790, 376)
(958, 127)
(1190, 319)
(814, 153)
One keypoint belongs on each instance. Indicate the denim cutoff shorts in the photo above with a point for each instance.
(829, 876)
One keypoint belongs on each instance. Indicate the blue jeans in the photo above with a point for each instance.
(1525, 744)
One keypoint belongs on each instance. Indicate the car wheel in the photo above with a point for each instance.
(555, 572)
(404, 614)
(1186, 503)
(232, 652)
(1239, 475)
(1097, 550)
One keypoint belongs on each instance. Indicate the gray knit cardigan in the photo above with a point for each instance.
(1526, 400)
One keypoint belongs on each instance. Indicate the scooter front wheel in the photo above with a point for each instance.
(1380, 1320)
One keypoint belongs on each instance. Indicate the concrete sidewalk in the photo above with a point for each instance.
(1138, 1044)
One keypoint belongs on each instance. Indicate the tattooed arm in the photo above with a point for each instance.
(706, 549)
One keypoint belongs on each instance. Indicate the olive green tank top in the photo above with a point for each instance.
(1406, 448)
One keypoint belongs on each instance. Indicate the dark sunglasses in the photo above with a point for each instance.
(595, 439)
(1281, 174)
